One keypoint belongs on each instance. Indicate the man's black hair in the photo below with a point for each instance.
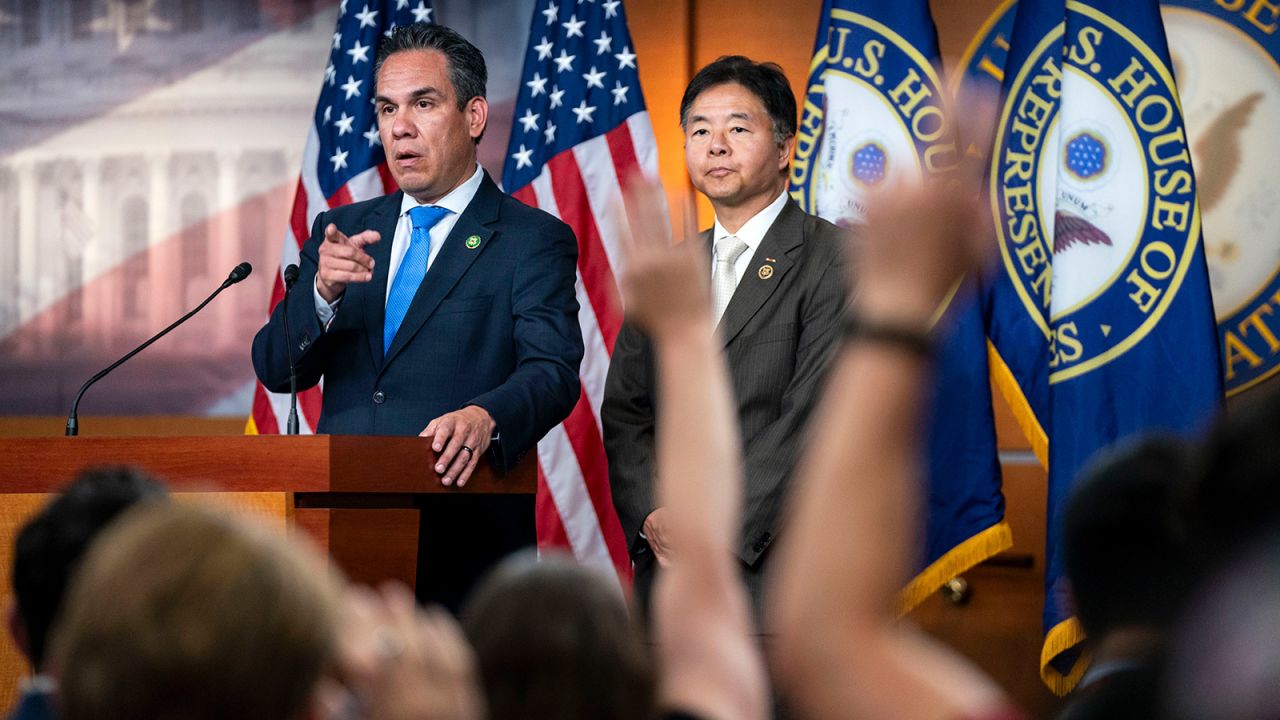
(50, 546)
(467, 71)
(764, 80)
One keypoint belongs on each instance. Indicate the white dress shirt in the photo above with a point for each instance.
(752, 233)
(455, 202)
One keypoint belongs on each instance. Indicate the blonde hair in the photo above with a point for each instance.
(179, 612)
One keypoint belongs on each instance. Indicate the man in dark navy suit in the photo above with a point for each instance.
(446, 310)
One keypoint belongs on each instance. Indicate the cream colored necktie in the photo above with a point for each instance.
(724, 279)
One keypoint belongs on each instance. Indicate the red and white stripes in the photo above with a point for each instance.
(584, 187)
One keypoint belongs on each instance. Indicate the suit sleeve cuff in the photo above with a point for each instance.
(324, 309)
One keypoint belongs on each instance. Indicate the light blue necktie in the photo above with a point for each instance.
(412, 269)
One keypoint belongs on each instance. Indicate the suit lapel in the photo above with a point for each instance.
(769, 265)
(383, 219)
(455, 257)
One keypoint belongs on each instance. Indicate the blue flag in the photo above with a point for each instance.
(1101, 317)
(874, 113)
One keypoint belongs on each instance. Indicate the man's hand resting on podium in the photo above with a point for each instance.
(460, 438)
(343, 260)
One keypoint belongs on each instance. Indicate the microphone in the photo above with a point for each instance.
(290, 277)
(240, 272)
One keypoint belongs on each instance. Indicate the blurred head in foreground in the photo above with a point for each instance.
(51, 544)
(180, 612)
(1234, 502)
(1127, 567)
(554, 641)
(1226, 654)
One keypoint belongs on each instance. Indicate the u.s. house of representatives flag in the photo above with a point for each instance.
(342, 162)
(580, 131)
(1226, 57)
(1102, 318)
(873, 114)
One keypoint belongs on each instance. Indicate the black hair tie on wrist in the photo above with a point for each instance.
(914, 340)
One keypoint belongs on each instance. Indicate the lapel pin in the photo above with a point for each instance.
(473, 242)
(765, 272)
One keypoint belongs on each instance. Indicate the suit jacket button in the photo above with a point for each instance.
(304, 343)
(379, 397)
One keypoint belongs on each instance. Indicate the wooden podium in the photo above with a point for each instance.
(356, 496)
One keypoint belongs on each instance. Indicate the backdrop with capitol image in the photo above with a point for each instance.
(147, 147)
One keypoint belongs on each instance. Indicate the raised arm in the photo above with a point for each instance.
(709, 664)
(850, 533)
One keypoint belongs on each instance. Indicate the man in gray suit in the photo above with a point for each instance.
(779, 294)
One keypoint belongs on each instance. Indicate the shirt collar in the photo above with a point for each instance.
(753, 231)
(456, 200)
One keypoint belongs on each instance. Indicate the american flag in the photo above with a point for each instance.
(342, 162)
(580, 131)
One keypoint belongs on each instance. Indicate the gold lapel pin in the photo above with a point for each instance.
(765, 272)
(473, 242)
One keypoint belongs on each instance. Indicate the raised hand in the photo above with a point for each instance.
(343, 260)
(919, 240)
(665, 287)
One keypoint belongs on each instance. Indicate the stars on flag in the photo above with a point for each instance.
(604, 43)
(594, 78)
(351, 86)
(339, 159)
(372, 136)
(421, 13)
(529, 120)
(581, 99)
(626, 58)
(359, 53)
(538, 84)
(584, 111)
(523, 157)
(544, 48)
(344, 124)
(367, 17)
(574, 26)
(565, 61)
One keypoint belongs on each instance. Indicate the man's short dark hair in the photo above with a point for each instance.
(50, 546)
(764, 80)
(1122, 551)
(467, 71)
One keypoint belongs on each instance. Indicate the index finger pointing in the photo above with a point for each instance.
(333, 234)
(361, 239)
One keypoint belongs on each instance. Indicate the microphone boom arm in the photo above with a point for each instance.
(73, 420)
